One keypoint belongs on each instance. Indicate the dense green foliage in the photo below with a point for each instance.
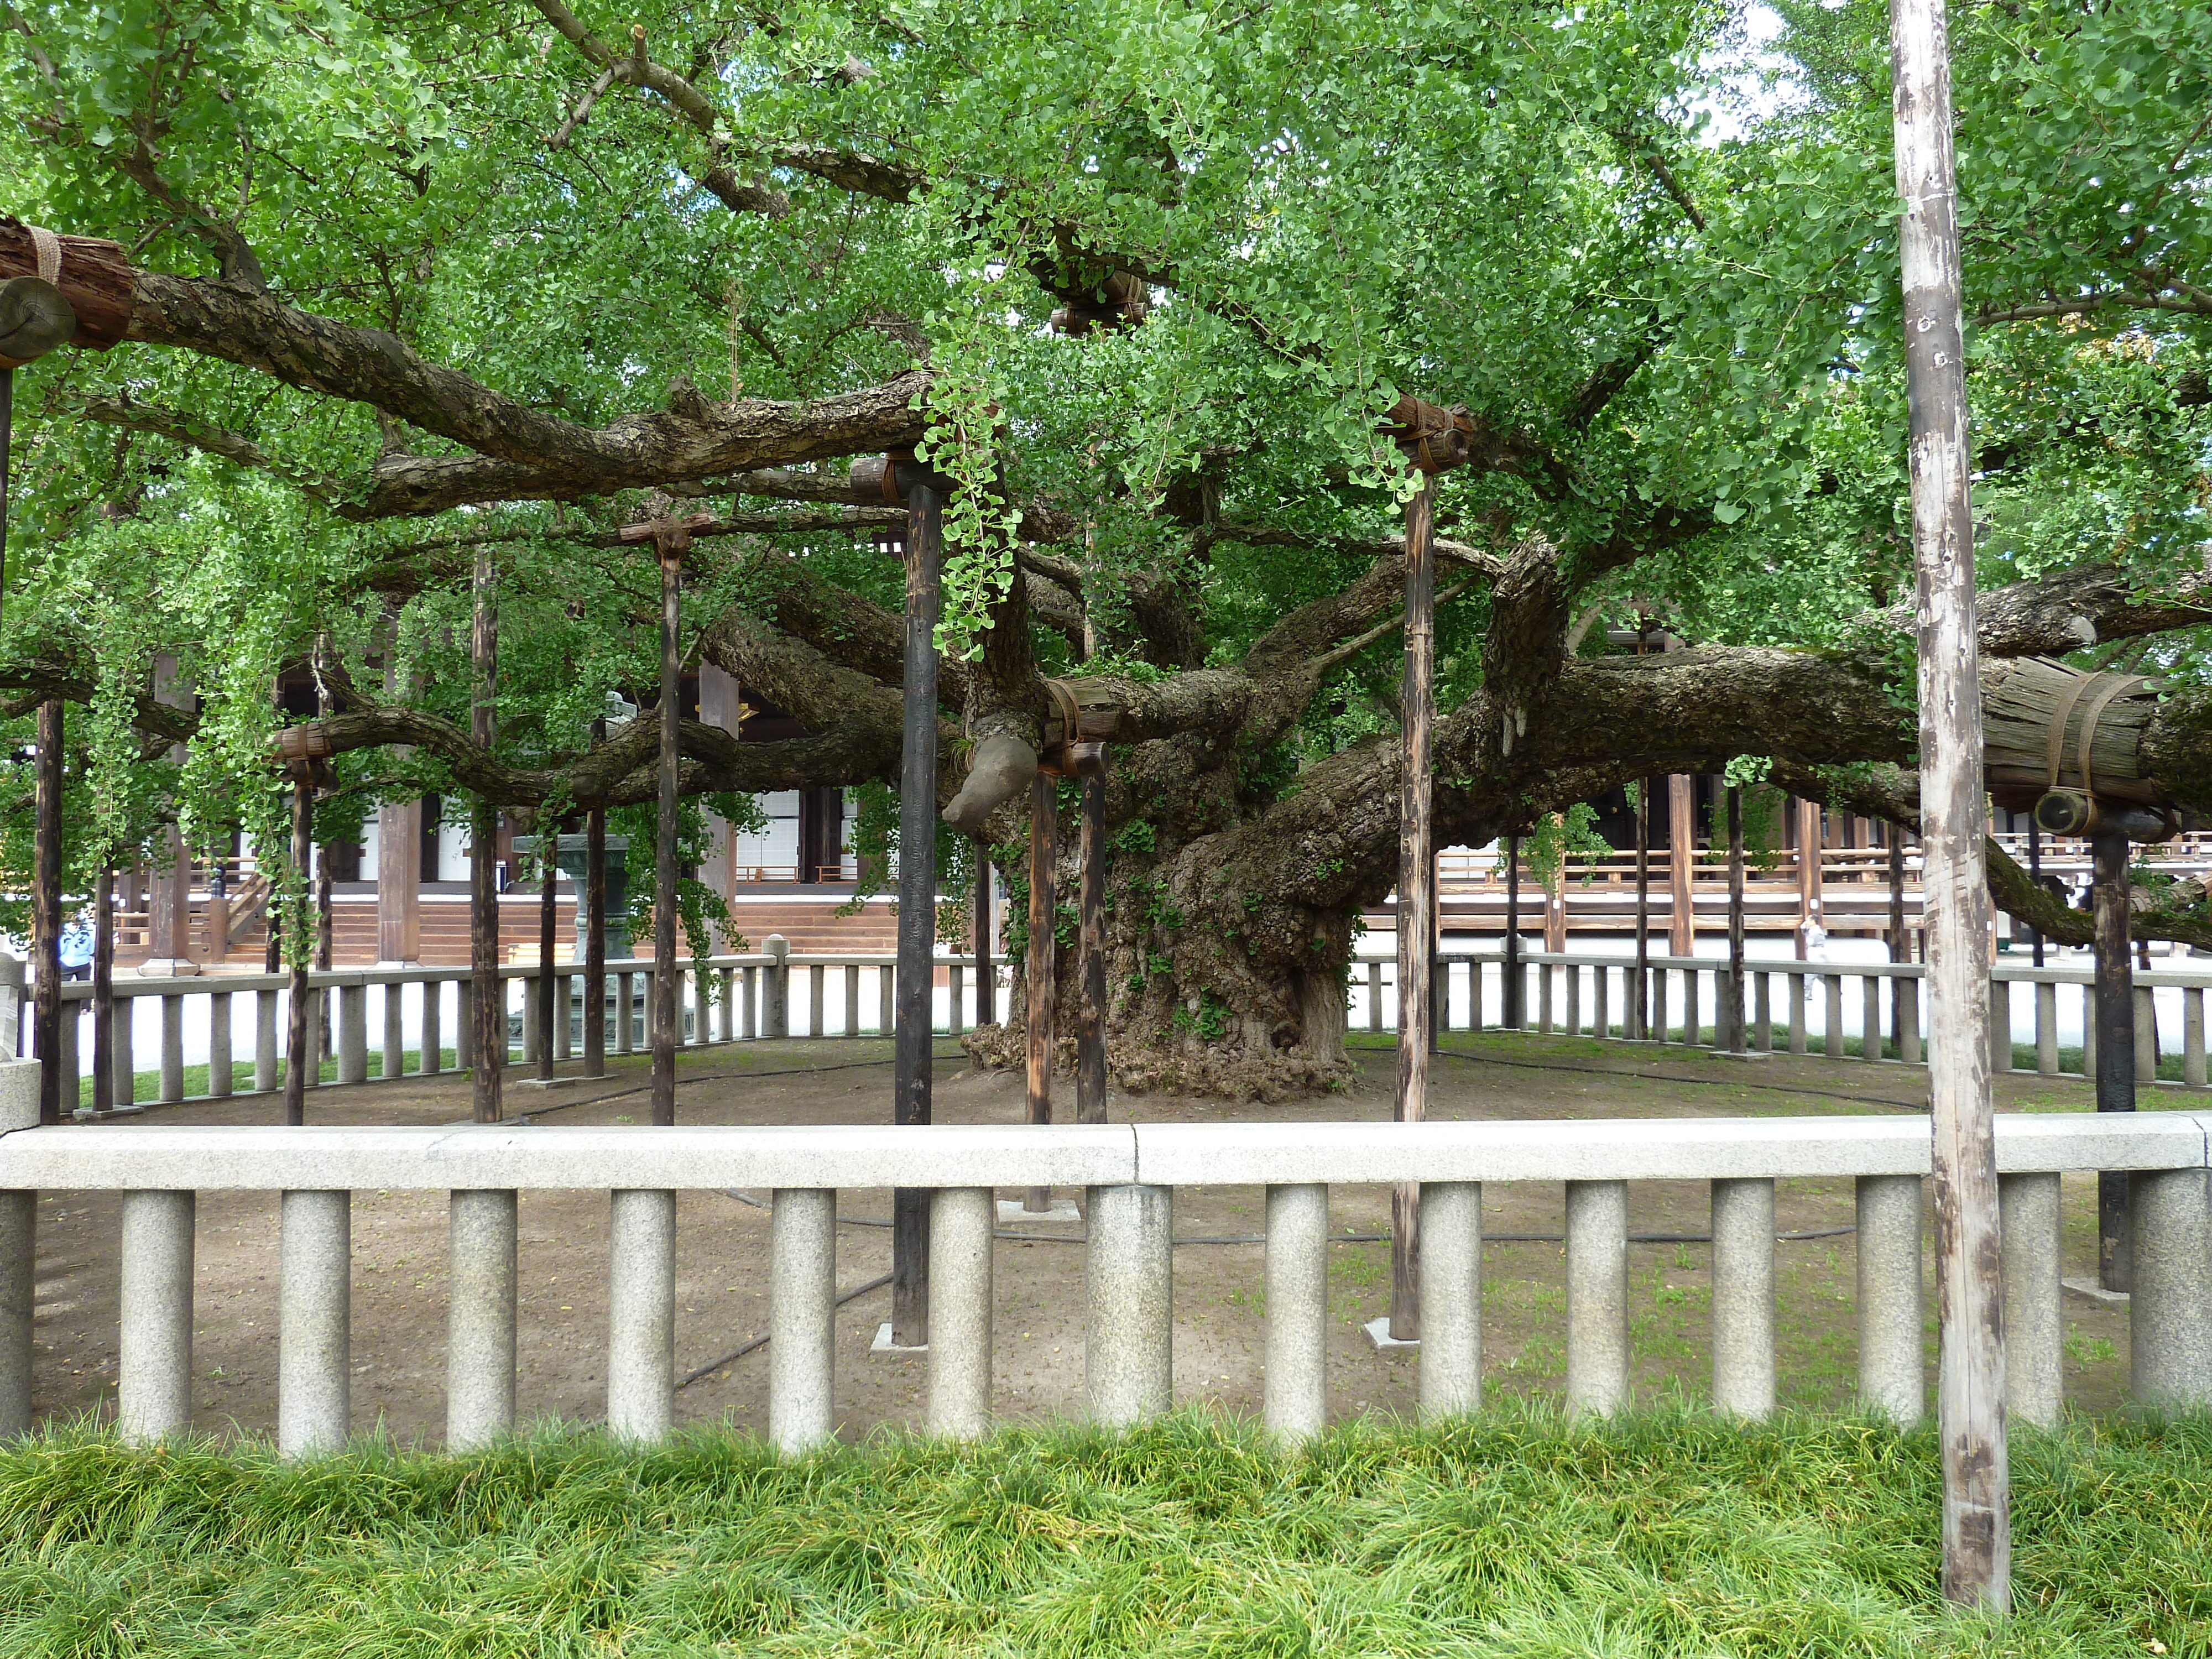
(1655, 255)
(1504, 1535)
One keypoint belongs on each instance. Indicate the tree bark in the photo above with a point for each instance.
(1040, 969)
(549, 915)
(1970, 1304)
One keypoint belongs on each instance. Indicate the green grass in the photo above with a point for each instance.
(1508, 1534)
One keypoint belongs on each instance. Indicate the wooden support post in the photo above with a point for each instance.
(987, 998)
(299, 1058)
(595, 934)
(103, 992)
(2034, 874)
(549, 913)
(1681, 872)
(1091, 1028)
(487, 997)
(1969, 1303)
(2115, 1068)
(1039, 969)
(1417, 898)
(1900, 946)
(917, 913)
(46, 918)
(1733, 1041)
(667, 978)
(1515, 997)
(1638, 1020)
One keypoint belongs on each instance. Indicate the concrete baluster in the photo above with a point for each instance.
(1743, 1296)
(1797, 980)
(1451, 1298)
(2170, 1322)
(1374, 996)
(314, 1323)
(393, 1061)
(1870, 1016)
(353, 1034)
(886, 995)
(1597, 1296)
(816, 1025)
(779, 985)
(2046, 1030)
(433, 1061)
(642, 1314)
(221, 1071)
(852, 1023)
(264, 1041)
(802, 1316)
(1890, 1374)
(154, 1396)
(1832, 1043)
(1129, 1303)
(482, 1225)
(2033, 1326)
(1297, 1376)
(960, 1223)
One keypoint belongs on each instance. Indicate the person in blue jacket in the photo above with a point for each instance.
(76, 947)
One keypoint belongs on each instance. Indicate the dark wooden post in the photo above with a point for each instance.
(986, 1001)
(1090, 1021)
(487, 1002)
(1733, 1040)
(549, 912)
(46, 916)
(2116, 1047)
(1039, 969)
(2034, 874)
(667, 1003)
(1516, 990)
(1639, 1000)
(324, 921)
(299, 1058)
(1900, 942)
(103, 991)
(1416, 899)
(595, 936)
(917, 913)
(1969, 1303)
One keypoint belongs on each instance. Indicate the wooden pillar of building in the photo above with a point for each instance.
(722, 707)
(1808, 874)
(1681, 865)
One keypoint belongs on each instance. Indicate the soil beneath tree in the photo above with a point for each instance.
(400, 1273)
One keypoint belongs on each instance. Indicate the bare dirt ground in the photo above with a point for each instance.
(399, 1283)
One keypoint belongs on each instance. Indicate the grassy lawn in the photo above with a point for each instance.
(1508, 1534)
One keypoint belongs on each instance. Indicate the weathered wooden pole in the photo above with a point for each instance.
(1516, 992)
(1681, 874)
(1639, 996)
(595, 935)
(1416, 899)
(549, 914)
(299, 1057)
(1733, 1040)
(103, 990)
(1970, 1302)
(2114, 1000)
(667, 978)
(487, 998)
(1039, 969)
(1900, 943)
(986, 1001)
(47, 917)
(917, 912)
(1090, 1020)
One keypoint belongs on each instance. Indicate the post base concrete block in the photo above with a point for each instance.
(1063, 1214)
(1379, 1333)
(546, 1082)
(2090, 1291)
(884, 1345)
